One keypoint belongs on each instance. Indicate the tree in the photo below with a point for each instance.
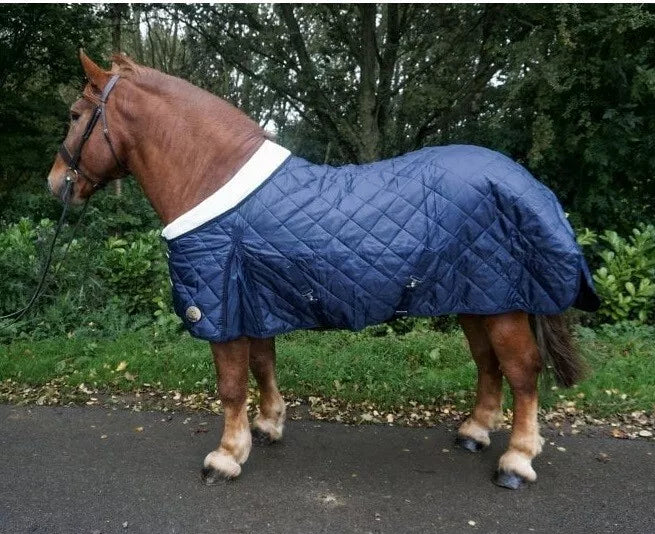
(117, 13)
(567, 90)
(352, 71)
(578, 108)
(38, 53)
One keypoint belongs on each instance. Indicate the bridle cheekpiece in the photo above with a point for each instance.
(73, 159)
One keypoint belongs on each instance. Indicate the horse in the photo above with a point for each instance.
(185, 146)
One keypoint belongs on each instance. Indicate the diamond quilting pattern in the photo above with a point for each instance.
(337, 247)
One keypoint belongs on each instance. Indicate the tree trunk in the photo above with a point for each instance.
(138, 42)
(117, 11)
(369, 149)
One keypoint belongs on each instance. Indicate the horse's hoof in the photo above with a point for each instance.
(259, 437)
(219, 466)
(508, 479)
(469, 444)
(211, 477)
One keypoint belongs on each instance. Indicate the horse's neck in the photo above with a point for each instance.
(180, 160)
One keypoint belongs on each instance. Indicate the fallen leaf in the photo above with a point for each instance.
(618, 433)
(121, 366)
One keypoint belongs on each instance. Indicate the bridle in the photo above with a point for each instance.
(73, 159)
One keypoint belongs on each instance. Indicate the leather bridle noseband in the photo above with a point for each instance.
(73, 159)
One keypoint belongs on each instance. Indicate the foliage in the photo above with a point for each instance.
(586, 99)
(402, 326)
(371, 80)
(567, 90)
(18, 260)
(38, 53)
(102, 285)
(586, 237)
(625, 281)
(132, 266)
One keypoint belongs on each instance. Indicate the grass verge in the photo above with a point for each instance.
(388, 371)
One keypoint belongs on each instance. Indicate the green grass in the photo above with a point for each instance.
(388, 370)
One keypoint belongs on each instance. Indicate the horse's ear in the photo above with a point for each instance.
(122, 62)
(97, 76)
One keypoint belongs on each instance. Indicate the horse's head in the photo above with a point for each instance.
(92, 153)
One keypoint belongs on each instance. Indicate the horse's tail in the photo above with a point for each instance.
(557, 349)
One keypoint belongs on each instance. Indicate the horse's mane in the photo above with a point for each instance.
(182, 91)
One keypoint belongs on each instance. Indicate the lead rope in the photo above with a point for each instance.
(18, 314)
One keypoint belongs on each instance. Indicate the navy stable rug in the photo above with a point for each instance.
(288, 245)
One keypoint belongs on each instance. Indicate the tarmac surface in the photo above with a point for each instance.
(97, 470)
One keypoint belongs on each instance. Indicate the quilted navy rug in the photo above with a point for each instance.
(287, 244)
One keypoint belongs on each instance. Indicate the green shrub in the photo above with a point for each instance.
(102, 286)
(625, 278)
(134, 267)
(114, 277)
(19, 243)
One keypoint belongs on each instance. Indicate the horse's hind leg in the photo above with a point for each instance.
(231, 360)
(473, 434)
(268, 425)
(515, 347)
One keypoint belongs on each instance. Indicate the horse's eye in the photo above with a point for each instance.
(74, 116)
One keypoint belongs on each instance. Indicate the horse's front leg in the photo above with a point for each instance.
(231, 360)
(473, 434)
(268, 426)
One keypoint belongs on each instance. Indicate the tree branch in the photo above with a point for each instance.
(345, 35)
(368, 84)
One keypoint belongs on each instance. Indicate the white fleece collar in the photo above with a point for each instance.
(254, 172)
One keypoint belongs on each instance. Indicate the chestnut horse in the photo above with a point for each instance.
(183, 144)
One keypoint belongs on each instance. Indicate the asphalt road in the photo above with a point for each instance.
(93, 470)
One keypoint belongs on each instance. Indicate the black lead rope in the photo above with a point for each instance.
(19, 314)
